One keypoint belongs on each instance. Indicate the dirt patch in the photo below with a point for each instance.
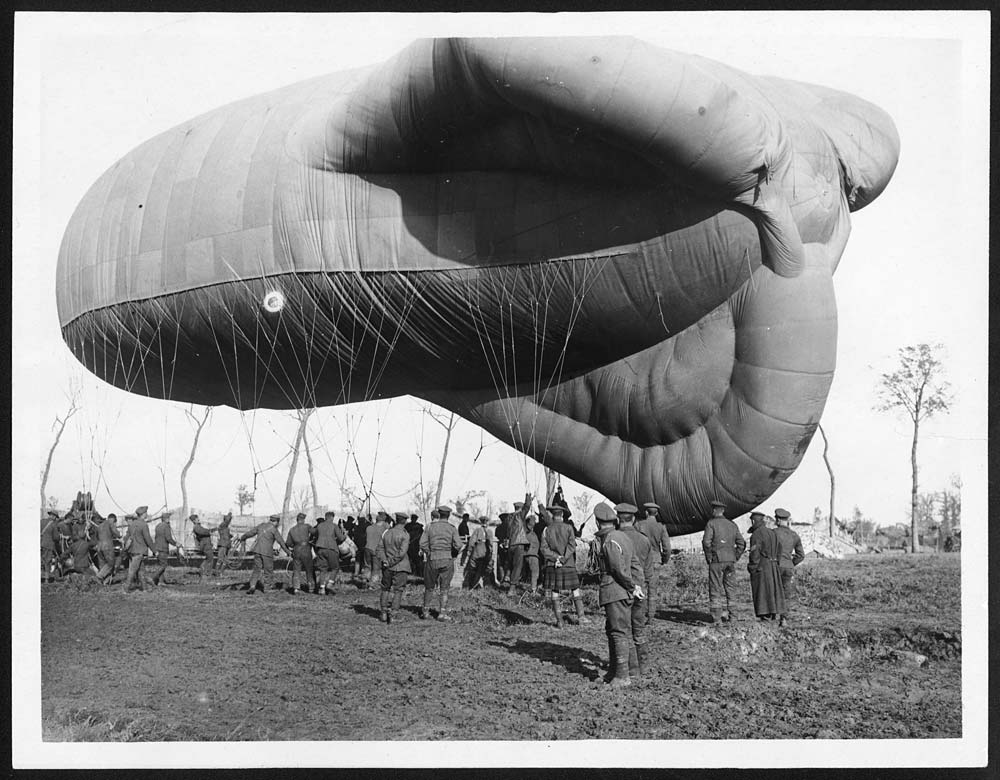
(206, 661)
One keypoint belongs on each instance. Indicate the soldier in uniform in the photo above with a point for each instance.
(439, 544)
(517, 544)
(302, 555)
(478, 554)
(137, 544)
(263, 552)
(651, 527)
(80, 549)
(531, 552)
(50, 543)
(163, 537)
(373, 547)
(765, 582)
(642, 570)
(558, 547)
(203, 540)
(790, 555)
(360, 540)
(723, 545)
(617, 592)
(415, 529)
(395, 567)
(327, 538)
(107, 533)
(225, 541)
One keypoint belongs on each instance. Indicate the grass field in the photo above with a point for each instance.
(875, 653)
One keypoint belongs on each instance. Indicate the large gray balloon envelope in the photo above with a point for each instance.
(614, 257)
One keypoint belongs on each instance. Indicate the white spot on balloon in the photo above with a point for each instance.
(274, 301)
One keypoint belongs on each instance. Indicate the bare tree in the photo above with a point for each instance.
(199, 424)
(59, 426)
(303, 417)
(918, 388)
(244, 497)
(581, 503)
(551, 484)
(465, 501)
(448, 423)
(422, 497)
(829, 469)
(309, 464)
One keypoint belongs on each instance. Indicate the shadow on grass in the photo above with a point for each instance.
(572, 659)
(362, 609)
(513, 618)
(690, 617)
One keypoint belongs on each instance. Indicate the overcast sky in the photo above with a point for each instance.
(89, 88)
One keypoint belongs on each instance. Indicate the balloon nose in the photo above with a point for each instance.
(867, 144)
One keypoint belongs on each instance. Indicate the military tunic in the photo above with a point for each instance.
(373, 548)
(723, 545)
(302, 555)
(440, 543)
(49, 544)
(790, 555)
(138, 542)
(263, 554)
(327, 537)
(658, 537)
(616, 562)
(559, 544)
(163, 537)
(395, 559)
(107, 533)
(225, 542)
(203, 539)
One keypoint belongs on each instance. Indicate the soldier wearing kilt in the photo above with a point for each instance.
(558, 548)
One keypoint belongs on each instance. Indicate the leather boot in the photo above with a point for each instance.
(642, 656)
(426, 608)
(581, 617)
(612, 662)
(443, 613)
(633, 661)
(621, 678)
(557, 610)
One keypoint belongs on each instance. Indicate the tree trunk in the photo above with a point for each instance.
(194, 447)
(444, 458)
(551, 481)
(914, 511)
(829, 469)
(299, 435)
(312, 474)
(73, 408)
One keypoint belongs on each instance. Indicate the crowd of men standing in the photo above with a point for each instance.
(532, 549)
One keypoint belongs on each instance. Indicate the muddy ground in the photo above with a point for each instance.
(205, 661)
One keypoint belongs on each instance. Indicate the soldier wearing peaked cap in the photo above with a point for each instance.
(439, 544)
(327, 536)
(479, 555)
(723, 545)
(765, 582)
(297, 539)
(617, 592)
(203, 540)
(263, 553)
(790, 555)
(395, 567)
(225, 540)
(415, 529)
(656, 531)
(517, 544)
(373, 549)
(163, 538)
(641, 571)
(137, 544)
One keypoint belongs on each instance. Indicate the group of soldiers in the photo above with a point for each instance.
(533, 549)
(86, 543)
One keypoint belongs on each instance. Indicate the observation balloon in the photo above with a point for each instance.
(614, 257)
